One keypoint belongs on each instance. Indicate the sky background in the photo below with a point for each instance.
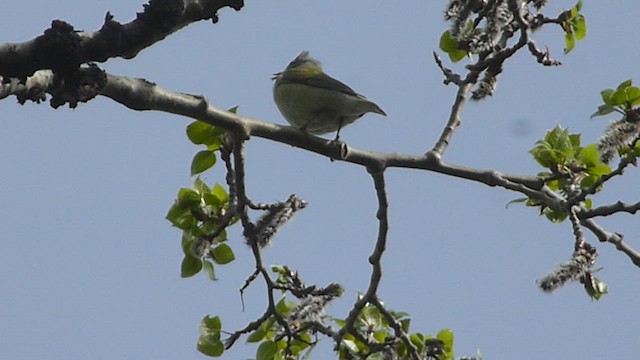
(90, 269)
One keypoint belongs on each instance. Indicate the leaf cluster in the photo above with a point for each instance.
(203, 212)
(574, 25)
(380, 335)
(572, 167)
(622, 99)
(274, 345)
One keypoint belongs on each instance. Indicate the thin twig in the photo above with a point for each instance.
(613, 238)
(606, 210)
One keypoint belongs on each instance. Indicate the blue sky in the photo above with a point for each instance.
(90, 268)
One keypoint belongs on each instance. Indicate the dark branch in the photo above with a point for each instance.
(63, 49)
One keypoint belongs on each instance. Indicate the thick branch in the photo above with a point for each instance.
(62, 49)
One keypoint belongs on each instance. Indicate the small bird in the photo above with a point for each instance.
(314, 102)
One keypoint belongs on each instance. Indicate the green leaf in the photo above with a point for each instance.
(180, 217)
(221, 237)
(450, 46)
(555, 216)
(558, 137)
(297, 345)
(350, 345)
(589, 155)
(214, 144)
(339, 322)
(220, 193)
(595, 288)
(180, 212)
(624, 84)
(543, 154)
(603, 110)
(199, 132)
(516, 201)
(209, 270)
(222, 254)
(257, 335)
(417, 340)
(190, 266)
(213, 201)
(217, 197)
(187, 242)
(557, 149)
(372, 317)
(578, 5)
(574, 139)
(606, 95)
(209, 342)
(380, 336)
(278, 269)
(446, 336)
(200, 186)
(202, 161)
(588, 182)
(600, 169)
(626, 96)
(284, 307)
(209, 347)
(636, 150)
(580, 27)
(187, 198)
(405, 323)
(210, 325)
(569, 42)
(553, 184)
(447, 42)
(574, 26)
(399, 314)
(267, 351)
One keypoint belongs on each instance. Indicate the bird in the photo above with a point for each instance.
(314, 102)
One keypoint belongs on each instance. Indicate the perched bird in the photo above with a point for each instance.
(314, 102)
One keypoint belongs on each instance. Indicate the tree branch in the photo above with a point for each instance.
(607, 210)
(62, 49)
(613, 238)
(374, 259)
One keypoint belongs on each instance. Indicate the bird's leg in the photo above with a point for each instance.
(339, 128)
(303, 128)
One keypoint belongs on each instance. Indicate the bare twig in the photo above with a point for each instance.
(449, 75)
(543, 57)
(613, 238)
(606, 210)
(454, 119)
(254, 325)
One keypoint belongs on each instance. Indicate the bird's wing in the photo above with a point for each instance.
(317, 79)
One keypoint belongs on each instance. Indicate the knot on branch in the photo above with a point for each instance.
(80, 85)
(58, 49)
(162, 14)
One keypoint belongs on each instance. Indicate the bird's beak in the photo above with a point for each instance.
(276, 75)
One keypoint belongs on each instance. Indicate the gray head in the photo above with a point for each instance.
(304, 59)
